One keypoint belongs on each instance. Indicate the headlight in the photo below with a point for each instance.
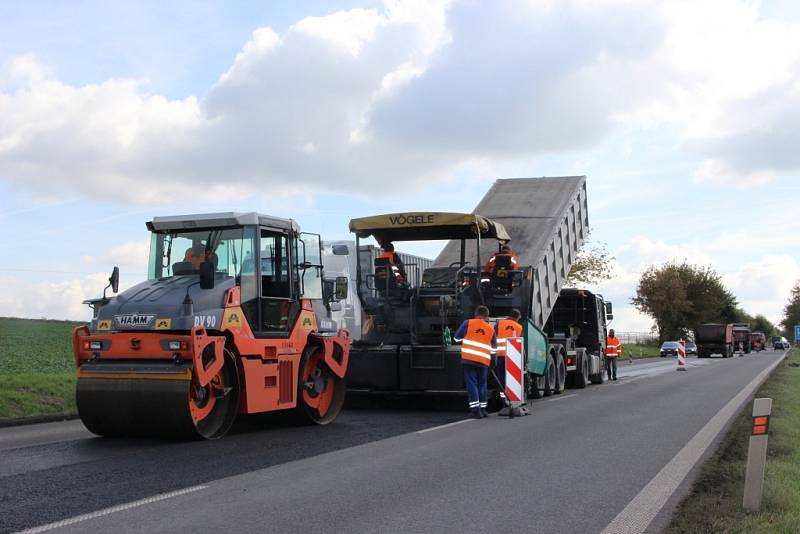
(178, 345)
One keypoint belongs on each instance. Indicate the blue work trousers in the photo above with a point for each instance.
(475, 376)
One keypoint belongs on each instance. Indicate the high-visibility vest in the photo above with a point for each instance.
(477, 343)
(392, 257)
(388, 256)
(506, 328)
(613, 347)
(490, 265)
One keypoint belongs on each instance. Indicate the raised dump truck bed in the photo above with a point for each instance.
(548, 221)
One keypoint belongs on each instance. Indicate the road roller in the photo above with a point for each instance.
(234, 318)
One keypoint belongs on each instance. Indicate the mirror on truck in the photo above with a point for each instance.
(609, 311)
(340, 288)
(340, 250)
(114, 279)
(207, 275)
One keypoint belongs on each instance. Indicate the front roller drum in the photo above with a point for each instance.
(162, 407)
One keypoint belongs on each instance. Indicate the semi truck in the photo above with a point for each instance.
(408, 347)
(714, 338)
(758, 341)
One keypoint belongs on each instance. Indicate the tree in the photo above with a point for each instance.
(592, 265)
(791, 312)
(762, 324)
(681, 296)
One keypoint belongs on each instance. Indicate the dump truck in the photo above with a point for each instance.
(714, 338)
(231, 320)
(758, 341)
(407, 346)
(741, 338)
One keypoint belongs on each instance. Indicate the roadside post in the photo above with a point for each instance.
(757, 455)
(681, 355)
(796, 334)
(515, 388)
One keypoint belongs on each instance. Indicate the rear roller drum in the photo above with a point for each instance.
(320, 392)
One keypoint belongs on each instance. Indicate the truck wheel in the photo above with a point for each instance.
(549, 376)
(600, 376)
(582, 374)
(561, 374)
(536, 386)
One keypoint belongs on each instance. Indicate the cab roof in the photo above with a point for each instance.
(219, 220)
(428, 225)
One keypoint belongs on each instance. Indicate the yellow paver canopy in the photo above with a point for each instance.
(428, 226)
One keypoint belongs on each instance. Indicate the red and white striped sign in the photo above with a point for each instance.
(514, 388)
(681, 355)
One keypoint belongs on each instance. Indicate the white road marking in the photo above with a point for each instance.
(560, 397)
(641, 511)
(111, 510)
(454, 423)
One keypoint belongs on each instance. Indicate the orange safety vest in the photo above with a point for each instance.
(506, 328)
(389, 256)
(490, 265)
(613, 347)
(477, 343)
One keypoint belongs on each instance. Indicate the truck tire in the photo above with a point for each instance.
(600, 376)
(550, 376)
(536, 386)
(561, 373)
(582, 374)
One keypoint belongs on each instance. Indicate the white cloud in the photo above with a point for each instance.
(51, 300)
(383, 99)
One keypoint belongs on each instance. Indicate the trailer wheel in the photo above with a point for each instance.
(561, 373)
(550, 376)
(537, 384)
(320, 393)
(581, 377)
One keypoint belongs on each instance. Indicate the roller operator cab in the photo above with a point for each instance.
(231, 319)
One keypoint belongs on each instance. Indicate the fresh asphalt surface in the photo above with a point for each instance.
(571, 466)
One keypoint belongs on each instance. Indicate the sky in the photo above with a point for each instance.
(683, 115)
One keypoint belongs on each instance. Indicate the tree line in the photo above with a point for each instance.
(680, 296)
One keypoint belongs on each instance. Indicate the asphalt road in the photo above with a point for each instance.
(571, 466)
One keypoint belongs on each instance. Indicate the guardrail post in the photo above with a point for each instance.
(757, 455)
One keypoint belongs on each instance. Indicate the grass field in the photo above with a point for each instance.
(715, 503)
(639, 351)
(37, 371)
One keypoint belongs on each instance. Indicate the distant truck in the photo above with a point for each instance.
(714, 338)
(741, 338)
(758, 341)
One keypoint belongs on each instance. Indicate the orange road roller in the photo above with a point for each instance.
(233, 318)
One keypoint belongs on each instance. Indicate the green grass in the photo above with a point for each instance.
(35, 394)
(37, 370)
(715, 503)
(36, 346)
(639, 351)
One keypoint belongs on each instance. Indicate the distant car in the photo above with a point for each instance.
(691, 348)
(780, 344)
(669, 348)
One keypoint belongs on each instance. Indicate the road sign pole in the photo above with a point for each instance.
(757, 455)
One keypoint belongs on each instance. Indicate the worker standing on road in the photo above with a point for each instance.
(508, 327)
(478, 346)
(505, 252)
(613, 351)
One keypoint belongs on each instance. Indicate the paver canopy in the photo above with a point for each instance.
(428, 226)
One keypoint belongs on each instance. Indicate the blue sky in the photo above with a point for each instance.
(683, 118)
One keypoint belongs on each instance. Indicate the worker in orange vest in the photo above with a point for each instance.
(394, 261)
(505, 250)
(478, 346)
(508, 327)
(613, 351)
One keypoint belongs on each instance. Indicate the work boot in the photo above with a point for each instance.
(475, 413)
(484, 413)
